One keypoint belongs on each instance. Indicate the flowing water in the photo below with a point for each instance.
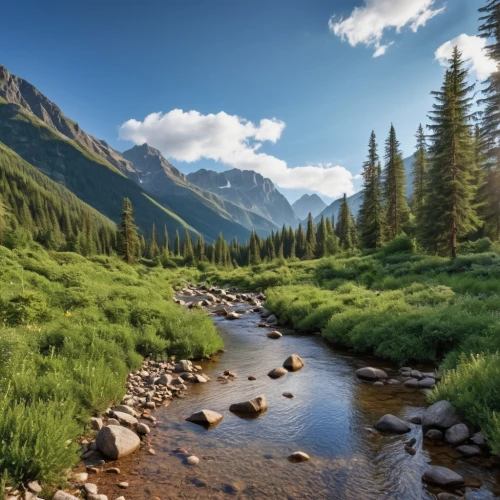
(330, 417)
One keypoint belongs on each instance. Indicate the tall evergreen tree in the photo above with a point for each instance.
(177, 244)
(321, 238)
(254, 250)
(448, 211)
(346, 227)
(187, 249)
(371, 211)
(127, 233)
(153, 247)
(419, 169)
(396, 208)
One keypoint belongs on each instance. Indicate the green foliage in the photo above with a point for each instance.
(74, 328)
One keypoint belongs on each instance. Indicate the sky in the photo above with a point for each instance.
(288, 88)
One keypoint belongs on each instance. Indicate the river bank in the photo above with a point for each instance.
(331, 418)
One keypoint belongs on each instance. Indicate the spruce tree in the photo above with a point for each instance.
(177, 244)
(127, 233)
(187, 248)
(153, 247)
(254, 250)
(396, 208)
(371, 212)
(490, 124)
(346, 228)
(300, 242)
(448, 212)
(321, 235)
(419, 169)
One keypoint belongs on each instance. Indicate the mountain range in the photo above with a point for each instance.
(35, 133)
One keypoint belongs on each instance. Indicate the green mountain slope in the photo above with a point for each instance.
(48, 211)
(87, 175)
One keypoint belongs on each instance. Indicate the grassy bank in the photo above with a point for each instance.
(72, 330)
(404, 307)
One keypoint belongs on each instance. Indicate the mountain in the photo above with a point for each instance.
(356, 199)
(206, 211)
(249, 190)
(36, 129)
(308, 203)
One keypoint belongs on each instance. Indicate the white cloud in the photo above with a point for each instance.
(189, 136)
(474, 53)
(366, 24)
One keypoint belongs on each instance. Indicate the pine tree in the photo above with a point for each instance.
(187, 248)
(321, 239)
(448, 211)
(254, 250)
(419, 169)
(371, 211)
(153, 247)
(490, 126)
(200, 249)
(166, 247)
(177, 244)
(397, 212)
(300, 242)
(346, 227)
(310, 238)
(127, 233)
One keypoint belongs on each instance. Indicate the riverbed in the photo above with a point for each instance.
(330, 417)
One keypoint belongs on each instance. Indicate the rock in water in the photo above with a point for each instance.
(391, 424)
(441, 476)
(440, 415)
(277, 373)
(255, 405)
(125, 418)
(457, 434)
(469, 450)
(369, 373)
(293, 363)
(298, 457)
(274, 335)
(207, 417)
(143, 429)
(117, 442)
(233, 315)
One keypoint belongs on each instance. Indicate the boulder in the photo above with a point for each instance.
(207, 417)
(265, 313)
(457, 434)
(124, 409)
(62, 495)
(96, 423)
(298, 457)
(412, 383)
(277, 373)
(426, 383)
(165, 379)
(272, 319)
(112, 421)
(125, 418)
(391, 424)
(143, 429)
(434, 435)
(255, 405)
(468, 450)
(274, 335)
(117, 442)
(372, 374)
(478, 439)
(293, 363)
(416, 420)
(184, 365)
(199, 379)
(233, 315)
(443, 477)
(440, 415)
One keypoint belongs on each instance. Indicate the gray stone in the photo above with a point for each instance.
(165, 379)
(478, 439)
(125, 418)
(124, 409)
(112, 421)
(415, 374)
(90, 488)
(272, 319)
(255, 405)
(207, 417)
(277, 373)
(468, 450)
(441, 476)
(184, 365)
(440, 415)
(391, 424)
(412, 383)
(293, 363)
(434, 435)
(143, 429)
(426, 383)
(96, 423)
(457, 434)
(192, 460)
(233, 315)
(117, 442)
(369, 373)
(62, 495)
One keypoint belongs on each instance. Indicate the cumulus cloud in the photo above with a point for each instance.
(474, 53)
(190, 136)
(366, 25)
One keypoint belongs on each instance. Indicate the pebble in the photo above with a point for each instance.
(143, 429)
(123, 485)
(252, 377)
(288, 395)
(90, 488)
(298, 457)
(80, 477)
(192, 460)
(151, 451)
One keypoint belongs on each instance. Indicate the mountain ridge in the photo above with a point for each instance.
(308, 203)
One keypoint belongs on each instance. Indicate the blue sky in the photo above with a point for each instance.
(234, 63)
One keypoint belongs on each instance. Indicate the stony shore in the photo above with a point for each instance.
(124, 428)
